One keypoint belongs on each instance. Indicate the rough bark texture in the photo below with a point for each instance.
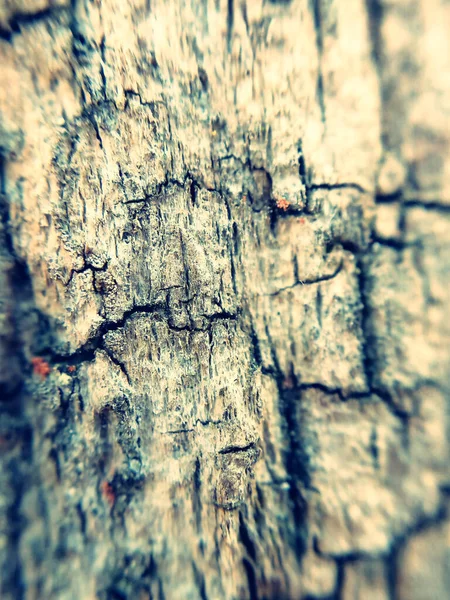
(224, 335)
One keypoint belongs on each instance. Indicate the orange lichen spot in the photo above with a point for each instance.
(282, 203)
(108, 492)
(301, 221)
(40, 366)
(71, 368)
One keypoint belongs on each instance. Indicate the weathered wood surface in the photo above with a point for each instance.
(224, 335)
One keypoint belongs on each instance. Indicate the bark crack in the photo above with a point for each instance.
(235, 449)
(165, 185)
(191, 429)
(20, 19)
(314, 281)
(336, 186)
(86, 353)
(317, 14)
(86, 267)
(398, 198)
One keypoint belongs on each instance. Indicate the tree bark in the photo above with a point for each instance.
(224, 335)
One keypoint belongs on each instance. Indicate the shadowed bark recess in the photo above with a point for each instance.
(224, 291)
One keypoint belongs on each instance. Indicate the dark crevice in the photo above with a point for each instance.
(193, 191)
(245, 538)
(344, 395)
(133, 94)
(301, 164)
(295, 268)
(233, 449)
(96, 128)
(82, 48)
(394, 198)
(125, 485)
(82, 518)
(375, 13)
(262, 196)
(178, 431)
(251, 579)
(287, 210)
(432, 206)
(400, 542)
(315, 281)
(53, 455)
(6, 238)
(256, 349)
(304, 175)
(136, 200)
(196, 495)
(220, 316)
(336, 186)
(84, 268)
(277, 213)
(374, 448)
(122, 183)
(319, 303)
(234, 252)
(317, 15)
(368, 340)
(24, 336)
(295, 458)
(190, 430)
(199, 581)
(245, 164)
(22, 19)
(340, 580)
(320, 95)
(102, 66)
(17, 468)
(163, 186)
(230, 24)
(249, 561)
(117, 362)
(29, 328)
(86, 353)
(329, 391)
(368, 337)
(398, 198)
(296, 462)
(397, 244)
(387, 398)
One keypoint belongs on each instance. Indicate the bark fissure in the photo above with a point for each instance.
(317, 14)
(17, 20)
(197, 422)
(234, 449)
(307, 281)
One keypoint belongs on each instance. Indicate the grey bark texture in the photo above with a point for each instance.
(224, 299)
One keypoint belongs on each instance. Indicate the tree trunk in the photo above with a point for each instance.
(224, 335)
